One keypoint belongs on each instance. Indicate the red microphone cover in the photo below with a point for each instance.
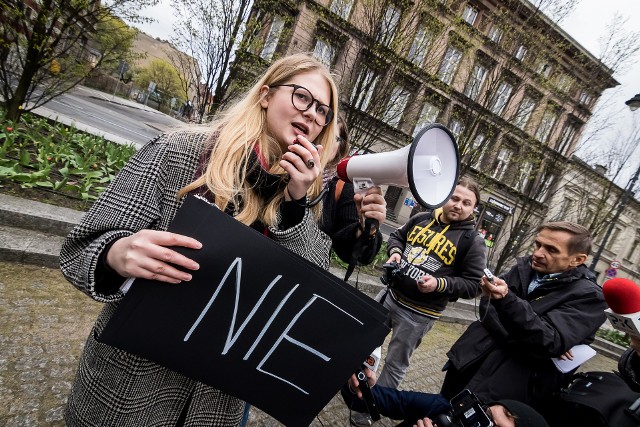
(622, 295)
(341, 169)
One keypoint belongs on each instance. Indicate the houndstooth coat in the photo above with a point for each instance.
(116, 388)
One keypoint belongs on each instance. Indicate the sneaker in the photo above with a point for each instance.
(360, 419)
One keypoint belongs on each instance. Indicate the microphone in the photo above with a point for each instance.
(623, 298)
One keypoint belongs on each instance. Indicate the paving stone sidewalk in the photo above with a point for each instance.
(44, 322)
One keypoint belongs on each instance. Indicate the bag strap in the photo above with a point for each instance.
(339, 187)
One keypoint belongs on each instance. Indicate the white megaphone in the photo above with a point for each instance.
(428, 166)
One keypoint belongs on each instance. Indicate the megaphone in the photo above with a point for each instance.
(428, 166)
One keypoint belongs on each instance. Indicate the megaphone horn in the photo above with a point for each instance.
(428, 166)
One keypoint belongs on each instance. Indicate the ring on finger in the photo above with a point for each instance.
(311, 163)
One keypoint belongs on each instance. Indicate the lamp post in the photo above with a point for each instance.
(634, 104)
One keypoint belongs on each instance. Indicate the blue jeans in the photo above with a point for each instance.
(409, 406)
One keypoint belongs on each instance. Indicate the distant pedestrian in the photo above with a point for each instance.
(257, 163)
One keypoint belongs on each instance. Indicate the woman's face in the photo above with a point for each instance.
(284, 121)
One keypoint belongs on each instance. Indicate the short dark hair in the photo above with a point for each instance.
(469, 183)
(581, 239)
(343, 142)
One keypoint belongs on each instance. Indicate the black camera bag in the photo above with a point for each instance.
(598, 399)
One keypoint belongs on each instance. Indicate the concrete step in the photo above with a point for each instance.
(33, 215)
(30, 246)
(608, 348)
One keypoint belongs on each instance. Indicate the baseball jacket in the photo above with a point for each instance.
(116, 388)
(429, 247)
(508, 354)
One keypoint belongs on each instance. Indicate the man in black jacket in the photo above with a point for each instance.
(547, 303)
(443, 257)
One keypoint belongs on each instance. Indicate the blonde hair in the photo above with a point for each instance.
(243, 127)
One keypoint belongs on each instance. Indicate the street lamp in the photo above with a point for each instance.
(634, 104)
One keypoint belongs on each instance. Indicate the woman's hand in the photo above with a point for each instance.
(302, 163)
(371, 205)
(425, 422)
(145, 255)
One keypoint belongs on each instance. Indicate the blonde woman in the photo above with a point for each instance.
(258, 164)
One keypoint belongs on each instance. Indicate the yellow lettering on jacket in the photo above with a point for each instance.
(437, 243)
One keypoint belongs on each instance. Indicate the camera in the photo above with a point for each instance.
(466, 411)
(392, 273)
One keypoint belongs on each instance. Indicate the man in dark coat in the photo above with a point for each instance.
(546, 304)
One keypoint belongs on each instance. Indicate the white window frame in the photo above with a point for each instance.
(495, 34)
(449, 64)
(456, 127)
(271, 42)
(470, 14)
(526, 108)
(342, 8)
(389, 24)
(501, 98)
(523, 177)
(477, 145)
(567, 135)
(324, 52)
(428, 115)
(419, 46)
(520, 52)
(585, 97)
(546, 125)
(396, 105)
(361, 100)
(501, 163)
(476, 79)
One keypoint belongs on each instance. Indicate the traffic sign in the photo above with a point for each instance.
(615, 264)
(611, 272)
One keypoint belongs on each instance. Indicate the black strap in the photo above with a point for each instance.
(360, 246)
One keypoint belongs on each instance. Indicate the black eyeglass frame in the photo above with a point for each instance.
(313, 101)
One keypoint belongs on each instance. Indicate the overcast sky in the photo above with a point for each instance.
(586, 25)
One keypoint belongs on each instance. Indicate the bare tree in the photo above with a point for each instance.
(210, 33)
(50, 46)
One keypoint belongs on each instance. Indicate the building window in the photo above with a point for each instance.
(632, 254)
(525, 109)
(342, 8)
(389, 24)
(420, 45)
(566, 209)
(469, 14)
(564, 83)
(523, 179)
(396, 105)
(428, 115)
(501, 163)
(501, 98)
(324, 52)
(456, 127)
(546, 124)
(363, 90)
(272, 38)
(544, 185)
(566, 138)
(544, 69)
(476, 145)
(449, 65)
(585, 98)
(520, 52)
(476, 78)
(495, 34)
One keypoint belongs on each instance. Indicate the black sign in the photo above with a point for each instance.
(256, 321)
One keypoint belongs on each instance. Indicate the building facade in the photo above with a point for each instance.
(510, 84)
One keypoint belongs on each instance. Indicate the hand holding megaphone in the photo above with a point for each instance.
(428, 166)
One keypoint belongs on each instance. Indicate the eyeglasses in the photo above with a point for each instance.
(302, 99)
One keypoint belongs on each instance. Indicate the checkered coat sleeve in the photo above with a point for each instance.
(116, 388)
